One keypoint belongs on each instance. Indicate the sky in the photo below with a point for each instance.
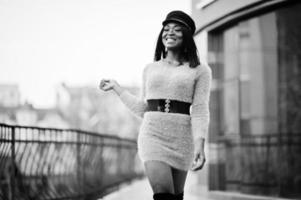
(44, 43)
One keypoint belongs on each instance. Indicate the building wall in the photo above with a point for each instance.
(255, 61)
(216, 10)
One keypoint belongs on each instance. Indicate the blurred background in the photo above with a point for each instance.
(56, 123)
(54, 53)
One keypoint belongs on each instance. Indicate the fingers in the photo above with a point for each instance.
(198, 163)
(103, 85)
(198, 166)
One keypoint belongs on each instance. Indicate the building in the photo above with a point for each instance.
(12, 111)
(27, 115)
(254, 50)
(9, 95)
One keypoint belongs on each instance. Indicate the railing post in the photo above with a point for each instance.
(268, 151)
(78, 162)
(102, 166)
(119, 163)
(279, 154)
(13, 167)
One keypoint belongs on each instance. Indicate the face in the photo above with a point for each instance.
(172, 36)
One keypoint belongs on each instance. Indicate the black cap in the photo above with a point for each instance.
(180, 17)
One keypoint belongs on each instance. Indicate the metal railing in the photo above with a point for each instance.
(262, 164)
(47, 163)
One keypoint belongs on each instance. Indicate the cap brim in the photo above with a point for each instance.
(175, 20)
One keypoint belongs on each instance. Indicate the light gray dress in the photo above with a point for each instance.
(169, 137)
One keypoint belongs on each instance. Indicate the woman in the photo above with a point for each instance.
(174, 107)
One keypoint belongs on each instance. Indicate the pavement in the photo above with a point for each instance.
(141, 190)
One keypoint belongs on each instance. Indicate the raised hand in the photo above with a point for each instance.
(110, 84)
(107, 84)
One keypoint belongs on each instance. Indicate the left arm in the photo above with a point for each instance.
(200, 114)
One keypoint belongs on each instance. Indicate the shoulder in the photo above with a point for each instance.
(146, 68)
(151, 65)
(203, 69)
(155, 63)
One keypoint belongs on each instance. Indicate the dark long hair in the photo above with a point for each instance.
(188, 50)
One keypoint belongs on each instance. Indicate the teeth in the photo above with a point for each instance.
(170, 39)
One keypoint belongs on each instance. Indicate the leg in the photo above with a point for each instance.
(179, 178)
(159, 175)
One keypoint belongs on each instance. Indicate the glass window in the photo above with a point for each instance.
(257, 102)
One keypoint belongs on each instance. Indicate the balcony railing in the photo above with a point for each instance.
(261, 164)
(47, 163)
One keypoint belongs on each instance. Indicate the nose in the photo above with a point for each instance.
(170, 31)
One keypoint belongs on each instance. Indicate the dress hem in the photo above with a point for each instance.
(173, 165)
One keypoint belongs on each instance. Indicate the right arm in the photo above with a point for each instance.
(136, 104)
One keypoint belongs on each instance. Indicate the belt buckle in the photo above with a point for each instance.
(167, 105)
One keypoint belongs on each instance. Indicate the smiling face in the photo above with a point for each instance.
(172, 36)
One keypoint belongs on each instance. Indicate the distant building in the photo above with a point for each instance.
(254, 50)
(12, 111)
(9, 95)
(27, 115)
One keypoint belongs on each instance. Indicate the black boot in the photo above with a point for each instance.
(179, 196)
(163, 196)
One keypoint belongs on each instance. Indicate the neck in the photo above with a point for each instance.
(173, 56)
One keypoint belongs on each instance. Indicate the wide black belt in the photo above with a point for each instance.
(168, 106)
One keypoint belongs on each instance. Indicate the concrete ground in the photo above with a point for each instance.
(141, 190)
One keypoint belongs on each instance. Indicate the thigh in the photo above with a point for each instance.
(179, 178)
(160, 176)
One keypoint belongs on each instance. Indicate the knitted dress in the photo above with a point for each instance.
(169, 137)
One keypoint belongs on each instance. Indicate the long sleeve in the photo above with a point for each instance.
(200, 114)
(136, 104)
